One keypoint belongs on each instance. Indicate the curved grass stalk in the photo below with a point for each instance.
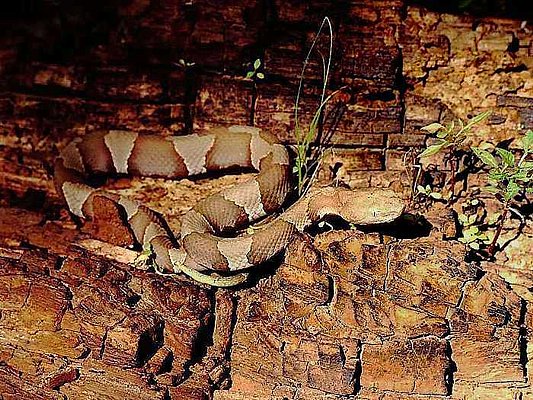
(304, 140)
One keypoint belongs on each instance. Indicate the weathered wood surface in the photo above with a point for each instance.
(402, 68)
(345, 315)
(75, 326)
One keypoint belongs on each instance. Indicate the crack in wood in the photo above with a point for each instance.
(523, 338)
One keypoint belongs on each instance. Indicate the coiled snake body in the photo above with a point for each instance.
(202, 250)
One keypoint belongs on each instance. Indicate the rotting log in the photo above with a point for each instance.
(345, 315)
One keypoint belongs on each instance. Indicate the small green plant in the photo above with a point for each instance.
(451, 139)
(507, 178)
(450, 136)
(255, 72)
(473, 233)
(185, 64)
(428, 192)
(477, 226)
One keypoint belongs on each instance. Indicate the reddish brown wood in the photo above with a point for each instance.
(343, 315)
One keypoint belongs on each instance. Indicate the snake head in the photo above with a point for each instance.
(370, 206)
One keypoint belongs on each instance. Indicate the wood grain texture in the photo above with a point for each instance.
(342, 314)
(78, 331)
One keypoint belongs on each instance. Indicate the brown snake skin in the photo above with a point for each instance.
(201, 249)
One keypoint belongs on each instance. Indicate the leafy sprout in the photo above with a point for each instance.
(473, 236)
(507, 177)
(185, 64)
(428, 191)
(449, 138)
(255, 72)
(450, 135)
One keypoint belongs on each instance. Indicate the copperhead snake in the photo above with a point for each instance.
(204, 252)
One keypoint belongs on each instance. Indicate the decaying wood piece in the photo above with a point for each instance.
(76, 325)
(404, 319)
(460, 66)
(346, 315)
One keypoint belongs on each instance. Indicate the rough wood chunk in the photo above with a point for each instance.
(417, 365)
(97, 329)
(346, 315)
(443, 55)
(390, 308)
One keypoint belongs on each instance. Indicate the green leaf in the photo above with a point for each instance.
(430, 150)
(485, 157)
(442, 134)
(470, 231)
(507, 156)
(474, 202)
(257, 63)
(435, 195)
(463, 219)
(450, 127)
(511, 190)
(527, 141)
(420, 189)
(526, 165)
(478, 118)
(474, 245)
(491, 189)
(468, 238)
(485, 146)
(249, 74)
(432, 128)
(521, 176)
(260, 75)
(482, 237)
(496, 175)
(493, 218)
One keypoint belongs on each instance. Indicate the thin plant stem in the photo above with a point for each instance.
(452, 178)
(492, 247)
